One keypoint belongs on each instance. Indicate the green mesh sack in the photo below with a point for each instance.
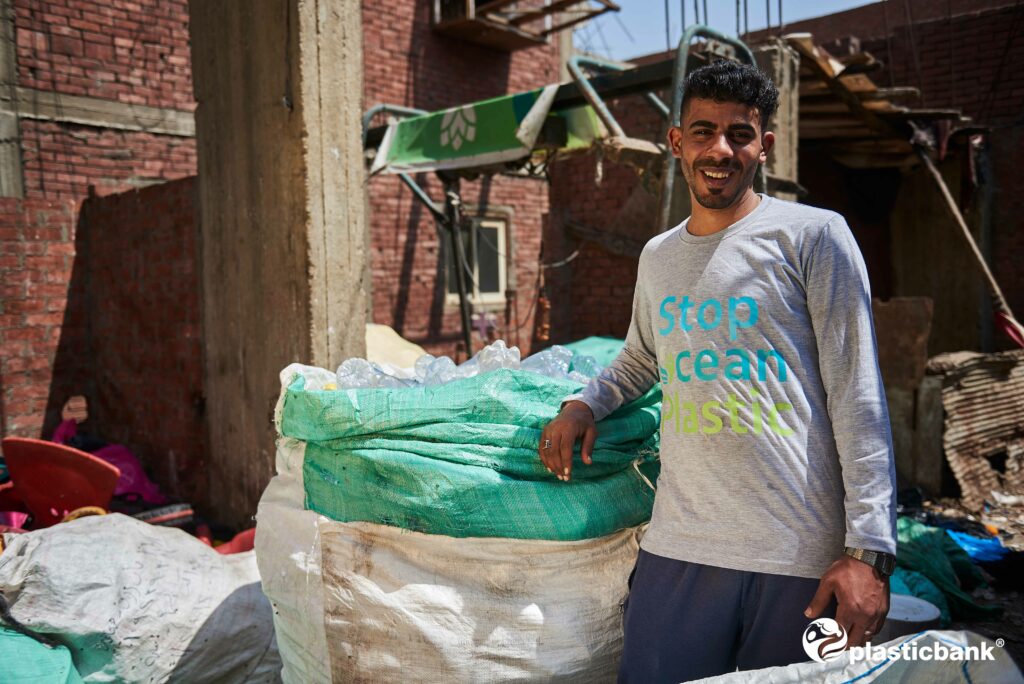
(603, 349)
(460, 459)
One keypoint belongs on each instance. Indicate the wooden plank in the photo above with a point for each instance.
(93, 111)
(541, 12)
(841, 89)
(858, 84)
(836, 133)
(898, 92)
(11, 182)
(825, 95)
(493, 6)
(834, 106)
(571, 22)
(486, 31)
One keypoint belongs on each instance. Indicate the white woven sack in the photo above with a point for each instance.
(992, 666)
(365, 602)
(139, 603)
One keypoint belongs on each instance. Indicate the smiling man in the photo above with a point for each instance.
(775, 503)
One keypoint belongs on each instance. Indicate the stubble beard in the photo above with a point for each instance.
(718, 199)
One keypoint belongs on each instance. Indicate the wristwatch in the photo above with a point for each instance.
(884, 563)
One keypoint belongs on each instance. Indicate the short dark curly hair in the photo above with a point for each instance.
(728, 81)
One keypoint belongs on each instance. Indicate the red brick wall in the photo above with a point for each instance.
(406, 63)
(36, 257)
(63, 160)
(598, 285)
(130, 52)
(135, 52)
(144, 374)
(104, 302)
(874, 20)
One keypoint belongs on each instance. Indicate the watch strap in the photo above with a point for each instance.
(885, 563)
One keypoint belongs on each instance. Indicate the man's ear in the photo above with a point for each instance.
(675, 141)
(767, 143)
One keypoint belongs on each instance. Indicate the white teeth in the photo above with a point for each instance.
(712, 174)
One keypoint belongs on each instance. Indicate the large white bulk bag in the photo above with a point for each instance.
(140, 603)
(365, 602)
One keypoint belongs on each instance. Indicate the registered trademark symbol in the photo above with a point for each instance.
(1000, 643)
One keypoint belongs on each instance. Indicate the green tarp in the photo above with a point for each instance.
(460, 459)
(23, 660)
(495, 131)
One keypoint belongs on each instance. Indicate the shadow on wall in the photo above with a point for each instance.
(74, 353)
(131, 336)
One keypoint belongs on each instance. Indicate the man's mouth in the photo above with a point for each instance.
(716, 178)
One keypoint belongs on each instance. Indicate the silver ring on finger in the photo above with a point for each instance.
(547, 444)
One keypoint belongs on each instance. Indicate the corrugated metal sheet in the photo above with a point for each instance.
(983, 398)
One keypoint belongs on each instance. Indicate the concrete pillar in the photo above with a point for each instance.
(782, 64)
(282, 216)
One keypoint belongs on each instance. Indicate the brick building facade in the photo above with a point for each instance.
(98, 95)
(959, 54)
(100, 294)
(406, 63)
(100, 290)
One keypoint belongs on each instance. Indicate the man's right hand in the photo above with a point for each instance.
(575, 421)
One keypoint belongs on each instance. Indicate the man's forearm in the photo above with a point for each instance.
(628, 376)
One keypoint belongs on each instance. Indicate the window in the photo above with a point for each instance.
(484, 244)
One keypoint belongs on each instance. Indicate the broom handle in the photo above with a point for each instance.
(951, 203)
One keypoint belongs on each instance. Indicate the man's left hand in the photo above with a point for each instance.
(862, 595)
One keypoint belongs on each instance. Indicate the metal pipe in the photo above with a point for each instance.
(655, 101)
(591, 95)
(678, 79)
(423, 196)
(387, 109)
(658, 105)
(406, 178)
(453, 213)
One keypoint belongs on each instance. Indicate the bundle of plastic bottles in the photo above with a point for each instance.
(452, 449)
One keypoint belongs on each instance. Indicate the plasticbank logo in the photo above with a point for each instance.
(824, 639)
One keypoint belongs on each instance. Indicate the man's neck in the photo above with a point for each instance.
(704, 221)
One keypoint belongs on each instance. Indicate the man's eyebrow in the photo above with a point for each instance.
(732, 127)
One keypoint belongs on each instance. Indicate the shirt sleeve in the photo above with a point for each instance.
(839, 301)
(633, 371)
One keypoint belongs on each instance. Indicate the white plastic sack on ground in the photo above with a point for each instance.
(140, 603)
(384, 345)
(366, 602)
(906, 669)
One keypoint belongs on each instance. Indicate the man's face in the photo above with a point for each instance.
(720, 145)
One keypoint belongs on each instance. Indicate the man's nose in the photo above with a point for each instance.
(719, 147)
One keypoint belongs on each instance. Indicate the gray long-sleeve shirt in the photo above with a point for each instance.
(775, 441)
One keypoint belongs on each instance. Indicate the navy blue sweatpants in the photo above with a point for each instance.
(685, 621)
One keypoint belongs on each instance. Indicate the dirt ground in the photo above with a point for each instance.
(1006, 590)
(1010, 627)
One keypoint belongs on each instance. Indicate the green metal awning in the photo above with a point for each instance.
(480, 134)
